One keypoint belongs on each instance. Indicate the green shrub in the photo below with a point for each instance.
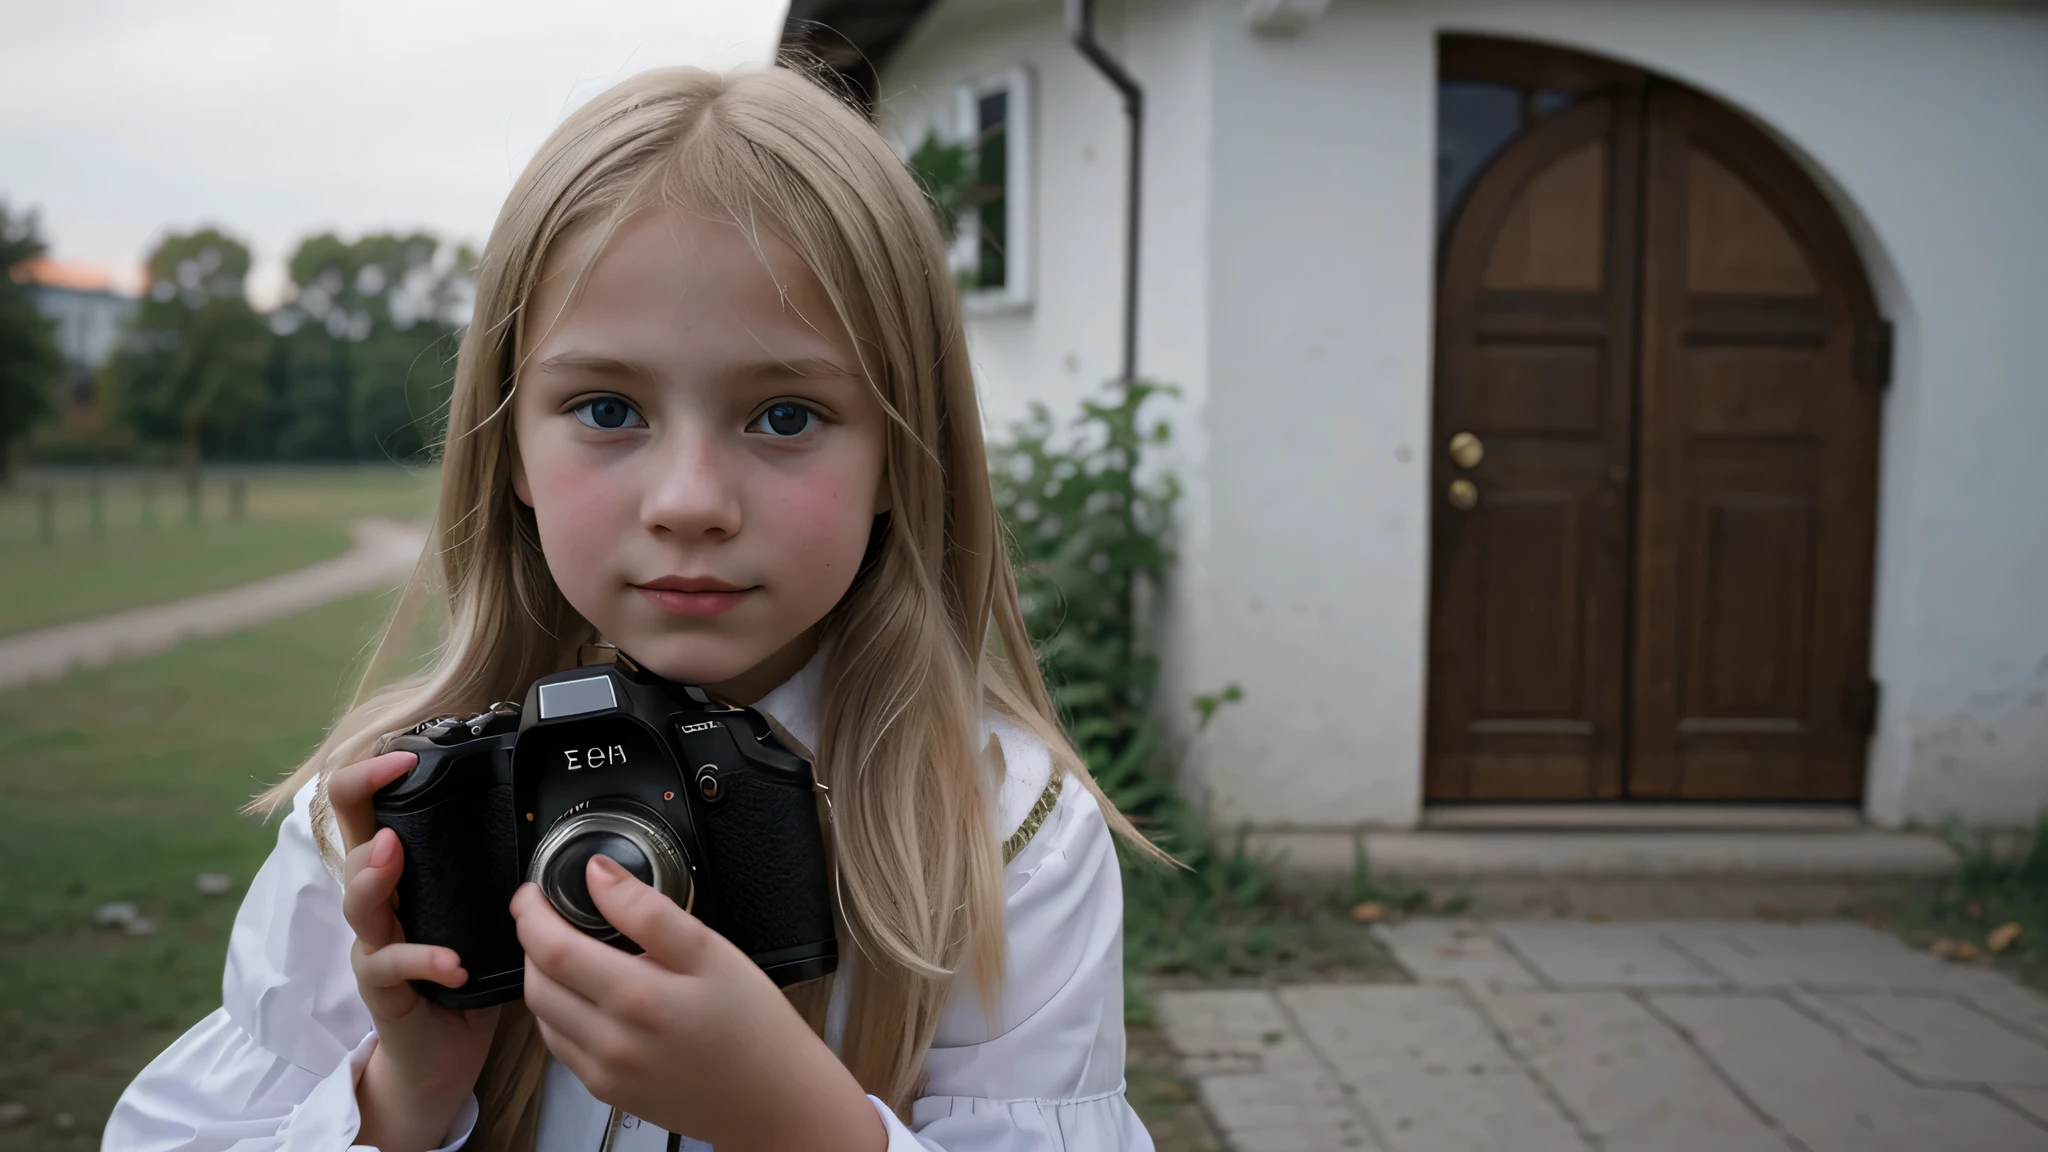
(1091, 533)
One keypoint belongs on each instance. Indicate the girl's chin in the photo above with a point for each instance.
(691, 659)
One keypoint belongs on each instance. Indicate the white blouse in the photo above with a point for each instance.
(276, 1066)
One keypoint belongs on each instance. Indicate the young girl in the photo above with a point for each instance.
(715, 408)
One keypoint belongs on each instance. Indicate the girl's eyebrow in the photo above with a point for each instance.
(595, 365)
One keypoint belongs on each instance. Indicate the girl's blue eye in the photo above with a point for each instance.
(608, 413)
(786, 418)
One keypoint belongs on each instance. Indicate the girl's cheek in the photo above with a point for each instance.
(825, 509)
(576, 509)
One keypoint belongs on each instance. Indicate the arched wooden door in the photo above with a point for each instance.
(1656, 413)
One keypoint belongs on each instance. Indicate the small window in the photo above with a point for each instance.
(991, 252)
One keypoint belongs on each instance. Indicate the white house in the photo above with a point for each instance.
(1585, 400)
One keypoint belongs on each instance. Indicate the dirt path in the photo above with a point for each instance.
(383, 555)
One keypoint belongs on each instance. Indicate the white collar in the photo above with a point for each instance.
(794, 702)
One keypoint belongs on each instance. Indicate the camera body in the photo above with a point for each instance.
(710, 803)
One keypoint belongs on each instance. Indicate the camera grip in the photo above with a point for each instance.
(770, 861)
(460, 870)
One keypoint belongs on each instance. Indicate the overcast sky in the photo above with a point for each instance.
(273, 119)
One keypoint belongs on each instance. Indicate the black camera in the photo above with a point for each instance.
(710, 803)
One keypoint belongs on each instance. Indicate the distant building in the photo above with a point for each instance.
(89, 312)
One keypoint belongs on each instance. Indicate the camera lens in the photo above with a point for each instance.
(565, 878)
(641, 844)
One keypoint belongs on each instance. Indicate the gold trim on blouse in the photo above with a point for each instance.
(1032, 820)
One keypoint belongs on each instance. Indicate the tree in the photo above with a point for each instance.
(29, 364)
(192, 369)
(365, 349)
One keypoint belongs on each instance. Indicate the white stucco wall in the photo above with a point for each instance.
(1065, 344)
(1289, 282)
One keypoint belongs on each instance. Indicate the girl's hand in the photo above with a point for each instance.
(427, 1057)
(691, 1035)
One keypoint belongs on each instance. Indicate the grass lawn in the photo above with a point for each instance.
(122, 783)
(145, 550)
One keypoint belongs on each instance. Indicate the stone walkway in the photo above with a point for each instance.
(1561, 1036)
(384, 554)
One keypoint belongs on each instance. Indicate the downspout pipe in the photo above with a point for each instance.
(1081, 30)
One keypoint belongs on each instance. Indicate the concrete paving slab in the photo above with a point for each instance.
(1574, 954)
(1935, 1039)
(1456, 952)
(1428, 1070)
(1632, 1081)
(2032, 1101)
(1264, 1088)
(1230, 1032)
(1832, 1096)
(1761, 955)
(2000, 996)
(1296, 1111)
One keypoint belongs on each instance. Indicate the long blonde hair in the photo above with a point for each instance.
(930, 633)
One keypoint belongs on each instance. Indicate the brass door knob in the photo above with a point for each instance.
(1464, 495)
(1466, 450)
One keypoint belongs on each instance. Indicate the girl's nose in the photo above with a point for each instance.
(691, 491)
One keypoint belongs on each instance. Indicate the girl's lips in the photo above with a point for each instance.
(698, 604)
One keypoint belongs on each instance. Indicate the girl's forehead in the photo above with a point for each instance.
(664, 271)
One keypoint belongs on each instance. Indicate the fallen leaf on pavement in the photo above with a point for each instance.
(1370, 912)
(1960, 951)
(2003, 936)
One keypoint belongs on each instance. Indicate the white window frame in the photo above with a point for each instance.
(1018, 181)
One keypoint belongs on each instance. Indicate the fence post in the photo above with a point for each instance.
(96, 505)
(192, 510)
(46, 514)
(237, 492)
(148, 503)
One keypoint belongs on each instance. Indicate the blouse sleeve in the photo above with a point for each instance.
(275, 1067)
(1047, 1075)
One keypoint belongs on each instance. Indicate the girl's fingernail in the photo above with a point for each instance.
(608, 869)
(382, 847)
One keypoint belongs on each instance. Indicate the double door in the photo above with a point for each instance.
(1659, 374)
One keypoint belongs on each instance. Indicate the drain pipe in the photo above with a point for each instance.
(1081, 29)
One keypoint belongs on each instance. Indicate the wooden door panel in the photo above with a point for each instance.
(1536, 309)
(1756, 494)
(1531, 659)
(1547, 389)
(1735, 244)
(1748, 586)
(1554, 236)
(1753, 392)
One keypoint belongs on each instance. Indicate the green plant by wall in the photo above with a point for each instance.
(1091, 538)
